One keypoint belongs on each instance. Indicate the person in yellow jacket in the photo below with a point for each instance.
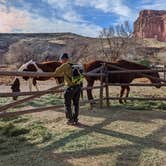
(72, 92)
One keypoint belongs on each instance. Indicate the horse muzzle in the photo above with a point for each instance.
(15, 97)
(158, 86)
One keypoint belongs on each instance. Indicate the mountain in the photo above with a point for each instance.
(16, 49)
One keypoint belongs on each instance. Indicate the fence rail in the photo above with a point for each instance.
(50, 74)
(102, 72)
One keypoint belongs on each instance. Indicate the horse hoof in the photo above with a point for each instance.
(120, 101)
(91, 101)
(15, 98)
(94, 102)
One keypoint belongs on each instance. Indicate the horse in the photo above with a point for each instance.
(32, 66)
(118, 77)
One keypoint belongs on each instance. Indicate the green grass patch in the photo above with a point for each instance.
(141, 105)
(21, 133)
(46, 100)
(113, 135)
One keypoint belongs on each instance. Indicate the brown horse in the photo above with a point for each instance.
(120, 77)
(35, 67)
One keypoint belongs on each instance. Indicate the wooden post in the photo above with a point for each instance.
(107, 86)
(164, 72)
(91, 106)
(101, 88)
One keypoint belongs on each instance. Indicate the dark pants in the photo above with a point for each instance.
(72, 94)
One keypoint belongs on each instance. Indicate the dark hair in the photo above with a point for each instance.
(64, 56)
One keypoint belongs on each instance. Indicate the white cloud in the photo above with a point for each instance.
(71, 16)
(58, 3)
(14, 19)
(155, 5)
(3, 1)
(107, 6)
(43, 25)
(65, 9)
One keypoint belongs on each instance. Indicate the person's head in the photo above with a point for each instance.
(64, 58)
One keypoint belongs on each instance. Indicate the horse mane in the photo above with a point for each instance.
(49, 62)
(94, 64)
(130, 64)
(120, 63)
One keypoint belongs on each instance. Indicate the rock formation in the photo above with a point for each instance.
(151, 24)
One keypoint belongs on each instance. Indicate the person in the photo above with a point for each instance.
(72, 92)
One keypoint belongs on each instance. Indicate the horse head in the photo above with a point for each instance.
(15, 87)
(155, 78)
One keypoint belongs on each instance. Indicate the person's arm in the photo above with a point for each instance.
(59, 72)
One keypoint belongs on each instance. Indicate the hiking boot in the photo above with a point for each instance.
(70, 122)
(76, 122)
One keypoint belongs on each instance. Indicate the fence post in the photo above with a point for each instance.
(107, 86)
(101, 88)
(164, 72)
(91, 106)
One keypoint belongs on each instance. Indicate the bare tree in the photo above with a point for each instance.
(116, 41)
(83, 52)
(77, 48)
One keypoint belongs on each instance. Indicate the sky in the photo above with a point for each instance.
(84, 17)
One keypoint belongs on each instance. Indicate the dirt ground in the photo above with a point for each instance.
(122, 135)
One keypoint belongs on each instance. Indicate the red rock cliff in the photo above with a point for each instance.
(151, 24)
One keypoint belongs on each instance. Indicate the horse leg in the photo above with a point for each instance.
(121, 94)
(127, 93)
(89, 91)
(35, 84)
(30, 84)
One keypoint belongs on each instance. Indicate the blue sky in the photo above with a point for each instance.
(85, 17)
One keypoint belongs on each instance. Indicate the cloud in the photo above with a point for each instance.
(3, 1)
(59, 4)
(71, 16)
(65, 10)
(107, 6)
(155, 5)
(15, 20)
(44, 25)
(12, 19)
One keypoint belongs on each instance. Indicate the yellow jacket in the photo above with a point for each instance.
(65, 71)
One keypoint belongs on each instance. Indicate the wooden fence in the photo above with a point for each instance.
(101, 71)
(163, 67)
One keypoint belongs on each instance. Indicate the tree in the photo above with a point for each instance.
(78, 49)
(117, 41)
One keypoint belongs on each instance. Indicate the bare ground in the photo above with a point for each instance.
(128, 135)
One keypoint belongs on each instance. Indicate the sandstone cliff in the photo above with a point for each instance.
(151, 24)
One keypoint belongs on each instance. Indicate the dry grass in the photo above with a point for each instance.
(123, 135)
(154, 43)
(130, 134)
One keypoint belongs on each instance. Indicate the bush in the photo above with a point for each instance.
(145, 62)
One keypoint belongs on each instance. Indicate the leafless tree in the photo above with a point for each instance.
(78, 49)
(117, 41)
